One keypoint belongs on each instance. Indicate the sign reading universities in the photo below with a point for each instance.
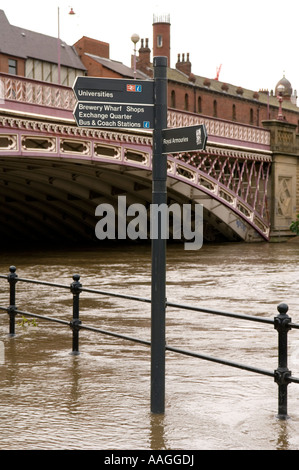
(114, 103)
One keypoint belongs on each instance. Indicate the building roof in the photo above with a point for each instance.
(20, 42)
(116, 66)
(262, 96)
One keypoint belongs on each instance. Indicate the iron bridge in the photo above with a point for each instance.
(54, 174)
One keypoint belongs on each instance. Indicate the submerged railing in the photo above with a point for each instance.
(282, 323)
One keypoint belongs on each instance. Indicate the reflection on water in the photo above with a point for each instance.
(50, 399)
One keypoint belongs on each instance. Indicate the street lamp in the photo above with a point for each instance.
(135, 38)
(280, 90)
(71, 12)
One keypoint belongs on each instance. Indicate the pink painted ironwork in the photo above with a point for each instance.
(34, 92)
(245, 176)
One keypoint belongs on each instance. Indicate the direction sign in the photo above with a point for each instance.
(184, 139)
(116, 90)
(114, 115)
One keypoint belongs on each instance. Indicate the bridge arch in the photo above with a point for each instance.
(53, 176)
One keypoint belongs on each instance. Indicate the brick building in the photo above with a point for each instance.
(211, 97)
(95, 56)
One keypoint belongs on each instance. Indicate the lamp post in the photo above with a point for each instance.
(71, 12)
(135, 38)
(280, 90)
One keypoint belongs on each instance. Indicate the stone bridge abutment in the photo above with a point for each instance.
(284, 182)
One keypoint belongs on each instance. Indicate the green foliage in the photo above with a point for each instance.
(26, 322)
(294, 227)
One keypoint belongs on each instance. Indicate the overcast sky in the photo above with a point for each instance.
(256, 42)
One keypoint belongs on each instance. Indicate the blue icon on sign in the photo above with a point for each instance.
(146, 124)
(139, 88)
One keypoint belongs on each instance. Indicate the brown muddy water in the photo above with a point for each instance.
(51, 399)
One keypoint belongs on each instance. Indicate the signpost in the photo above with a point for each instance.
(136, 104)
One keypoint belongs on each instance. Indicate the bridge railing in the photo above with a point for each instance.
(220, 128)
(25, 90)
(41, 93)
(282, 323)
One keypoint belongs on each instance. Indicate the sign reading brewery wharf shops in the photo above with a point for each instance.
(184, 139)
(114, 103)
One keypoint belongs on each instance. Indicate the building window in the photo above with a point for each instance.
(199, 105)
(159, 40)
(186, 102)
(172, 99)
(251, 116)
(234, 113)
(12, 66)
(215, 108)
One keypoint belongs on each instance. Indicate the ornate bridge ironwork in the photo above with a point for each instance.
(46, 157)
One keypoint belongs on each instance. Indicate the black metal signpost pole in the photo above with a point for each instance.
(159, 196)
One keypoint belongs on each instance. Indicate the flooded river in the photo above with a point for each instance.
(100, 399)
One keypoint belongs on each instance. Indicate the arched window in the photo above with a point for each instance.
(172, 99)
(215, 108)
(199, 105)
(186, 102)
(234, 116)
(159, 40)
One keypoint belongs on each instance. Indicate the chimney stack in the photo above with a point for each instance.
(184, 65)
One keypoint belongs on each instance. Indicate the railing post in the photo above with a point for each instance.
(75, 323)
(12, 279)
(282, 373)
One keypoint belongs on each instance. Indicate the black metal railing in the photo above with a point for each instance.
(282, 323)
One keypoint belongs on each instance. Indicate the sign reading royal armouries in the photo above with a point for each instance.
(114, 103)
(184, 139)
